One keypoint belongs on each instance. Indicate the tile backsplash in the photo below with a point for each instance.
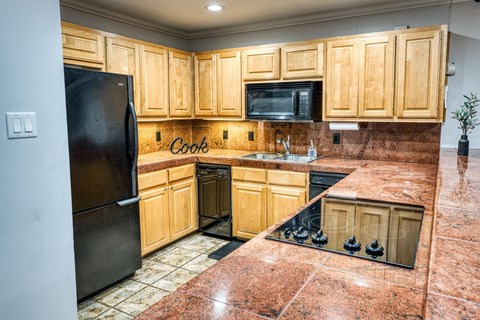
(408, 142)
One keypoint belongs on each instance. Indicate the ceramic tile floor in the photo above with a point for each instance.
(162, 273)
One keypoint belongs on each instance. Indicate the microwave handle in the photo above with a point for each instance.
(295, 103)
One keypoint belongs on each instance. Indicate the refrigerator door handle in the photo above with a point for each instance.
(127, 202)
(135, 140)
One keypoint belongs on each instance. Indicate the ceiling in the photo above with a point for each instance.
(189, 19)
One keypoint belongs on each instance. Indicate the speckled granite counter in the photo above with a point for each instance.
(269, 280)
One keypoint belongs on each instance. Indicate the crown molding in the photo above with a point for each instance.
(278, 23)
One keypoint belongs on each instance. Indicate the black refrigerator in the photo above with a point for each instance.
(102, 138)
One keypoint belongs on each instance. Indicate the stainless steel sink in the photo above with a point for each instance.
(279, 157)
(296, 158)
(262, 156)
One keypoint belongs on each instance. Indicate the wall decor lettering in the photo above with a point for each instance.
(178, 146)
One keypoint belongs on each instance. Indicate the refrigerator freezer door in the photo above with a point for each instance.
(102, 164)
(107, 246)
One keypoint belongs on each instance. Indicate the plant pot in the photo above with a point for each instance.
(463, 145)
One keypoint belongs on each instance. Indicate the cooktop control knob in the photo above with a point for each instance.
(286, 233)
(300, 235)
(319, 238)
(352, 245)
(374, 249)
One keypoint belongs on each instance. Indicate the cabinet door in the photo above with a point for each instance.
(248, 209)
(181, 82)
(82, 47)
(340, 224)
(302, 61)
(341, 79)
(372, 225)
(282, 201)
(183, 213)
(261, 64)
(418, 75)
(154, 81)
(401, 245)
(205, 85)
(229, 84)
(123, 58)
(376, 77)
(154, 224)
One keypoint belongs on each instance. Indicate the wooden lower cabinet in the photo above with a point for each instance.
(283, 201)
(183, 213)
(154, 220)
(168, 206)
(249, 207)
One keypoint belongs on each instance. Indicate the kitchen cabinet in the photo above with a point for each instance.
(123, 58)
(372, 225)
(205, 85)
(376, 77)
(387, 77)
(261, 64)
(340, 223)
(168, 206)
(419, 75)
(249, 211)
(83, 46)
(262, 197)
(153, 80)
(180, 75)
(302, 61)
(218, 85)
(154, 220)
(282, 201)
(402, 221)
(229, 84)
(341, 81)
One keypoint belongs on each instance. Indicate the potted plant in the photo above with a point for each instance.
(467, 118)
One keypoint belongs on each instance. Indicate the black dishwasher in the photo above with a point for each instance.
(214, 200)
(321, 181)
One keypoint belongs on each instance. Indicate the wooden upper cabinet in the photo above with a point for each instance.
(83, 47)
(261, 64)
(340, 214)
(154, 81)
(400, 247)
(180, 83)
(376, 77)
(123, 58)
(205, 85)
(229, 84)
(341, 81)
(372, 225)
(418, 75)
(304, 61)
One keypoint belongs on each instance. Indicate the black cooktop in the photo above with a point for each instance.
(382, 231)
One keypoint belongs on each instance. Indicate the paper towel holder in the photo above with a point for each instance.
(344, 126)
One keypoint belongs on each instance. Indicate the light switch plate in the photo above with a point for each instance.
(21, 125)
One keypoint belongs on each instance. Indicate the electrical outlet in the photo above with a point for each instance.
(225, 134)
(250, 136)
(158, 136)
(336, 138)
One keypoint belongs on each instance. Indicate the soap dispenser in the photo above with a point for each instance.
(312, 152)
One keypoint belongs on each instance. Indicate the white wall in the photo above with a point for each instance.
(37, 276)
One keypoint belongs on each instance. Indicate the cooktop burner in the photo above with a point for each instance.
(381, 231)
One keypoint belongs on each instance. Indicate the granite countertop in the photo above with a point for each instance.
(269, 280)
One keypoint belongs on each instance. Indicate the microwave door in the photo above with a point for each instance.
(273, 103)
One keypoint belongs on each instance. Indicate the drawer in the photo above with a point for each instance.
(249, 174)
(152, 179)
(180, 173)
(287, 178)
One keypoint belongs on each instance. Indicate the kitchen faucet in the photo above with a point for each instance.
(286, 144)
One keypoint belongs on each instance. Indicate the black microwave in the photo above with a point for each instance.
(284, 101)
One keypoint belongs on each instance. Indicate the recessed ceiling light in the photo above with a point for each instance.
(214, 7)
